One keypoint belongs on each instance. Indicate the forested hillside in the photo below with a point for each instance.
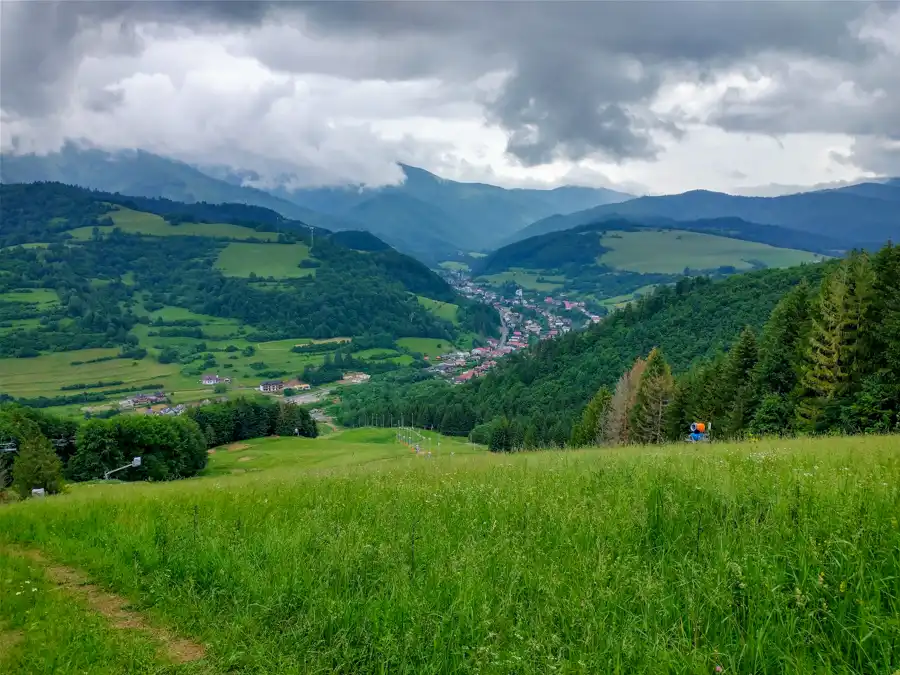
(89, 266)
(545, 388)
(810, 349)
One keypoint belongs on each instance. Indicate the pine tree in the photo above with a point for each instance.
(886, 310)
(617, 425)
(36, 466)
(589, 431)
(653, 394)
(836, 345)
(781, 343)
(737, 393)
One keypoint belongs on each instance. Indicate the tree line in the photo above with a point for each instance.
(826, 361)
(41, 450)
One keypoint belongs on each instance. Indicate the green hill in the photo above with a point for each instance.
(808, 349)
(616, 257)
(550, 384)
(203, 286)
(865, 215)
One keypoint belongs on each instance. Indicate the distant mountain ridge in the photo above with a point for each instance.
(137, 173)
(468, 216)
(863, 215)
(427, 216)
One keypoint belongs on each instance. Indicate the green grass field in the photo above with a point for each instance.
(670, 251)
(443, 310)
(138, 222)
(45, 374)
(526, 279)
(41, 296)
(351, 554)
(265, 260)
(430, 347)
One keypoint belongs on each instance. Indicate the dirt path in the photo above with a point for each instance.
(171, 647)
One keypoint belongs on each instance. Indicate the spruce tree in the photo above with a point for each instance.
(651, 400)
(589, 430)
(781, 345)
(885, 311)
(836, 354)
(737, 393)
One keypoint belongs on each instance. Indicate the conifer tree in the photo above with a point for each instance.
(651, 400)
(781, 345)
(885, 314)
(835, 353)
(737, 393)
(617, 425)
(589, 430)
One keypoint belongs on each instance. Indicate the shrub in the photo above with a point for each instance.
(37, 466)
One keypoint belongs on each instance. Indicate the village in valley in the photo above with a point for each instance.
(526, 317)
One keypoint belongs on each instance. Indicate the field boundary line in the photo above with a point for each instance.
(113, 607)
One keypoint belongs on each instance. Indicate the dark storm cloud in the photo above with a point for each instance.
(584, 73)
(581, 75)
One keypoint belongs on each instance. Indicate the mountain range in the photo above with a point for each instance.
(863, 215)
(436, 219)
(427, 216)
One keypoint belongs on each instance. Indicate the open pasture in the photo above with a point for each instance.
(527, 279)
(670, 251)
(442, 310)
(429, 347)
(138, 222)
(351, 554)
(264, 260)
(45, 374)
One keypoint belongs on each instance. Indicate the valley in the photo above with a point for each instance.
(444, 338)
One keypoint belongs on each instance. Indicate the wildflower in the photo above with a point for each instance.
(843, 586)
(821, 578)
(718, 669)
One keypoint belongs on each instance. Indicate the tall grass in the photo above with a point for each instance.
(772, 557)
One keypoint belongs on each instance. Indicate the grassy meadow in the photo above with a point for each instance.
(443, 310)
(264, 260)
(670, 251)
(527, 279)
(138, 222)
(351, 554)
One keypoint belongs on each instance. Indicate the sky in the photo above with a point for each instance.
(650, 97)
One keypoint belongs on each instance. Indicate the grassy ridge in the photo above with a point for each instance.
(138, 222)
(670, 251)
(777, 556)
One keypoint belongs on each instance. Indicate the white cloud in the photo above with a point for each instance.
(312, 102)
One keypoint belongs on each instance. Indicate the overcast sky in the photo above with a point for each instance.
(648, 96)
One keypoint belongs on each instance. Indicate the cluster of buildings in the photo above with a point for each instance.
(177, 410)
(524, 318)
(141, 400)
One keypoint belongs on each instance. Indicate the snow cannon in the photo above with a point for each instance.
(698, 432)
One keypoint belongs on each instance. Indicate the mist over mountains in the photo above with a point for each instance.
(436, 219)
